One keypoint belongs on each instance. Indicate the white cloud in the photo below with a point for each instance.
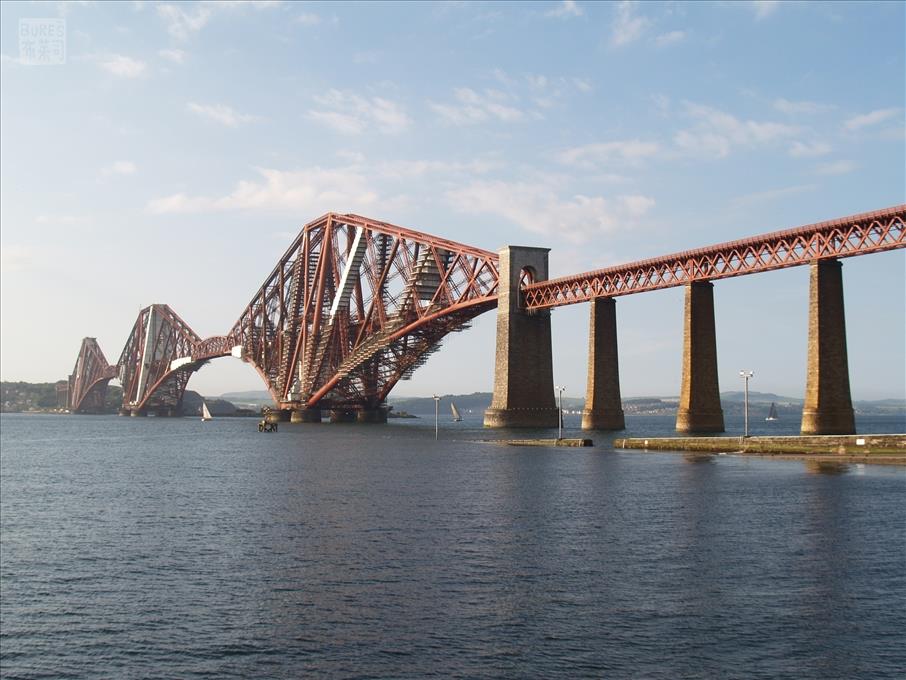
(472, 107)
(582, 84)
(184, 20)
(120, 168)
(867, 119)
(717, 132)
(308, 19)
(351, 114)
(181, 23)
(804, 107)
(567, 8)
(772, 195)
(764, 8)
(671, 38)
(627, 27)
(174, 55)
(809, 149)
(538, 208)
(311, 191)
(15, 258)
(122, 66)
(220, 113)
(590, 155)
(836, 168)
(60, 219)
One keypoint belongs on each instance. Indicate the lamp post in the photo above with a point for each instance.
(745, 375)
(436, 411)
(559, 411)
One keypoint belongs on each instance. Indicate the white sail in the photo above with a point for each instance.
(456, 416)
(205, 413)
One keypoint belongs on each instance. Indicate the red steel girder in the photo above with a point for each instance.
(354, 304)
(157, 360)
(856, 235)
(89, 378)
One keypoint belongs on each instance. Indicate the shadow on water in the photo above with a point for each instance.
(820, 467)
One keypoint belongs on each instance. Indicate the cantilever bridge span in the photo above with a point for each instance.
(354, 305)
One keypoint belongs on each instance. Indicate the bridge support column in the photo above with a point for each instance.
(138, 413)
(342, 415)
(305, 415)
(828, 407)
(523, 370)
(603, 407)
(699, 406)
(372, 415)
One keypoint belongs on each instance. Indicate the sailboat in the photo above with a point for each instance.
(456, 417)
(205, 413)
(772, 414)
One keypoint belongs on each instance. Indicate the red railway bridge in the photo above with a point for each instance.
(355, 305)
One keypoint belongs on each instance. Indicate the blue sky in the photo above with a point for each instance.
(180, 147)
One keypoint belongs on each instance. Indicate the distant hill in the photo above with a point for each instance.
(256, 398)
(733, 403)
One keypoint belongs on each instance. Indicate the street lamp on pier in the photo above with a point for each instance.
(559, 411)
(745, 375)
(436, 412)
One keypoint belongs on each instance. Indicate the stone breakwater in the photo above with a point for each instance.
(865, 448)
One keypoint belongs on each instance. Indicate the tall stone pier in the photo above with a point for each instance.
(699, 406)
(603, 407)
(828, 407)
(523, 370)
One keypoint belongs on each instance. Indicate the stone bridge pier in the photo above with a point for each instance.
(523, 367)
(828, 407)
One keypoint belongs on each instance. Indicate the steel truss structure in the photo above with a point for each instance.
(356, 305)
(856, 235)
(88, 381)
(157, 361)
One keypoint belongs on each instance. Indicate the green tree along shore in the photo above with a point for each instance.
(24, 397)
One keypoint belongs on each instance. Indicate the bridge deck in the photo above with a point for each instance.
(855, 235)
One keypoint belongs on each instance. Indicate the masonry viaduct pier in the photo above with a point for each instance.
(355, 305)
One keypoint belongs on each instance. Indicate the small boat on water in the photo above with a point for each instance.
(456, 416)
(205, 413)
(772, 414)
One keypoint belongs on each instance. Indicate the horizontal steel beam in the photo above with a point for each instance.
(846, 237)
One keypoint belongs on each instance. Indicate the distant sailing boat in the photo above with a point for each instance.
(456, 417)
(205, 413)
(772, 414)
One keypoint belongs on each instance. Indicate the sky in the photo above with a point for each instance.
(172, 151)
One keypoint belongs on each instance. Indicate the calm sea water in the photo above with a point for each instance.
(171, 548)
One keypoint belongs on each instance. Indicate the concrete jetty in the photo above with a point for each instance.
(866, 448)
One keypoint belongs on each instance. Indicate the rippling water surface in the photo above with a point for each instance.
(138, 548)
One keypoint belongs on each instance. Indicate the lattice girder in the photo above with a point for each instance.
(346, 288)
(157, 360)
(89, 379)
(856, 235)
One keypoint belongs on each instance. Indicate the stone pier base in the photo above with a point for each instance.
(278, 416)
(375, 416)
(305, 415)
(603, 407)
(699, 406)
(828, 407)
(342, 415)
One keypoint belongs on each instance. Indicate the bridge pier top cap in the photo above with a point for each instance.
(530, 249)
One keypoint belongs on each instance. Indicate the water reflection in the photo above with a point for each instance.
(826, 467)
(698, 457)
